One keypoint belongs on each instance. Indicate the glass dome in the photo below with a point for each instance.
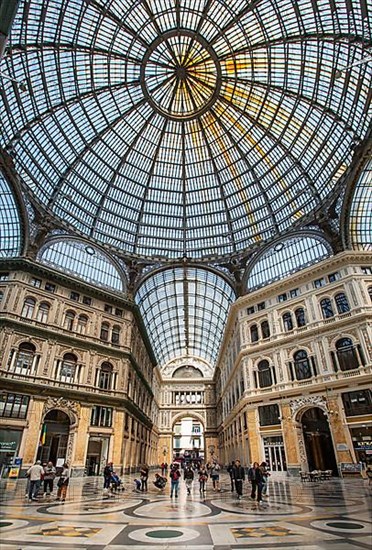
(190, 129)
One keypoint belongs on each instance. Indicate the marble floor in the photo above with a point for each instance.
(329, 515)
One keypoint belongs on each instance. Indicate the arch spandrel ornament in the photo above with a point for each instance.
(307, 402)
(71, 408)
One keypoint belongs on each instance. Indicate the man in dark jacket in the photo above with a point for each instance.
(255, 476)
(230, 470)
(238, 475)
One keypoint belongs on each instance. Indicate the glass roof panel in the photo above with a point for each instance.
(190, 129)
(286, 257)
(360, 223)
(82, 260)
(10, 222)
(185, 311)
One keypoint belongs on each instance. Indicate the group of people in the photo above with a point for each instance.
(258, 475)
(38, 474)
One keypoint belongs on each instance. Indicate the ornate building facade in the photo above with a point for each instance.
(77, 374)
(295, 370)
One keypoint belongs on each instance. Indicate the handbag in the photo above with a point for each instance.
(60, 482)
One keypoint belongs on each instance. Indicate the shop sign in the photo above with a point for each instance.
(8, 445)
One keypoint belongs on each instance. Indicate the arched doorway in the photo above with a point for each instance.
(54, 437)
(318, 441)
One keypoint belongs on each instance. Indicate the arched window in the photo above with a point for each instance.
(264, 374)
(105, 327)
(24, 358)
(69, 320)
(327, 310)
(115, 334)
(265, 329)
(254, 333)
(82, 324)
(105, 376)
(346, 354)
(28, 308)
(68, 370)
(287, 321)
(341, 303)
(300, 317)
(43, 312)
(302, 365)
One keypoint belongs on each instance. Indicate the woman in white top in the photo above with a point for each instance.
(63, 483)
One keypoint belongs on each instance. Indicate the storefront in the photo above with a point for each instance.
(9, 447)
(362, 443)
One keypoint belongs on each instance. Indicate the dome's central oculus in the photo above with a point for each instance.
(180, 75)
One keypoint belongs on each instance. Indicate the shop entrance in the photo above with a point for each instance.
(97, 455)
(275, 453)
(54, 437)
(318, 441)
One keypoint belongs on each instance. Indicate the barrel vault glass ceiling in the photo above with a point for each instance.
(190, 130)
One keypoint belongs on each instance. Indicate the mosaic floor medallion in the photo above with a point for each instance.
(173, 510)
(163, 535)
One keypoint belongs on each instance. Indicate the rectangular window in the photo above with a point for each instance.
(50, 287)
(75, 296)
(4, 276)
(332, 277)
(261, 306)
(357, 402)
(366, 270)
(14, 405)
(36, 282)
(108, 309)
(87, 300)
(269, 415)
(250, 310)
(318, 283)
(118, 312)
(294, 292)
(101, 416)
(282, 297)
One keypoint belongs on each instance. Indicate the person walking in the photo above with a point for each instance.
(265, 477)
(214, 470)
(107, 473)
(255, 477)
(188, 476)
(203, 476)
(63, 483)
(239, 477)
(175, 475)
(144, 472)
(230, 470)
(49, 476)
(35, 474)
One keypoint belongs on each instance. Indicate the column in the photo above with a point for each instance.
(292, 435)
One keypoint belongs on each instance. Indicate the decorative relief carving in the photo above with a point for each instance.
(301, 447)
(71, 408)
(279, 367)
(308, 401)
(70, 447)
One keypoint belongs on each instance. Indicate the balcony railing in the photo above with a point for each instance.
(52, 382)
